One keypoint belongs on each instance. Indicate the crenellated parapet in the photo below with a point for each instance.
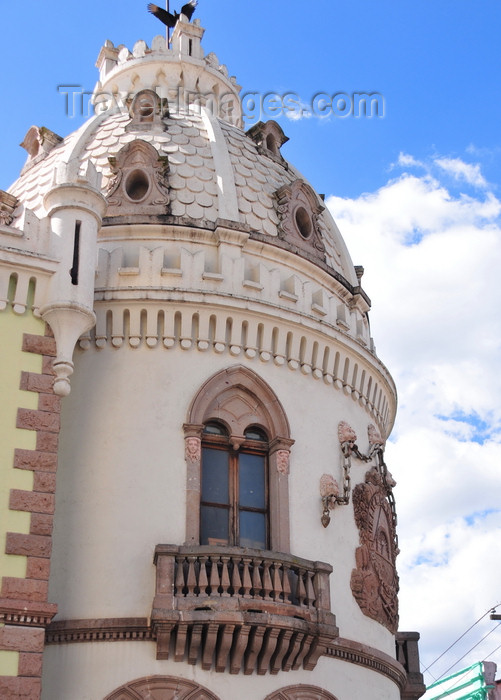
(179, 73)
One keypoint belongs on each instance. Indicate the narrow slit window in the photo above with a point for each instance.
(76, 253)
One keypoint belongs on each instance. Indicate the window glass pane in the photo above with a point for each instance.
(252, 481)
(214, 525)
(215, 487)
(253, 530)
(256, 434)
(215, 429)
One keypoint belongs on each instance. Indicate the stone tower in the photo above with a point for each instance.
(187, 342)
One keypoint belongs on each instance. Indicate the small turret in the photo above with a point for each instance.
(75, 207)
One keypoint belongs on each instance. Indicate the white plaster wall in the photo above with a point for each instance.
(121, 480)
(92, 671)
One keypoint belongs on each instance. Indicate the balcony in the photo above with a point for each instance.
(241, 610)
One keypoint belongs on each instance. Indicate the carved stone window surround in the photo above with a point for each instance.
(138, 181)
(298, 209)
(147, 111)
(239, 398)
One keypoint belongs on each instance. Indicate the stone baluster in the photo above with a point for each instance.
(310, 591)
(300, 588)
(277, 592)
(286, 585)
(191, 579)
(225, 577)
(246, 578)
(180, 590)
(256, 579)
(267, 585)
(202, 577)
(214, 576)
(235, 577)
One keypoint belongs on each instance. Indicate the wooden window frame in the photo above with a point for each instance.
(234, 508)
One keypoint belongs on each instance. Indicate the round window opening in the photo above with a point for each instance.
(137, 185)
(146, 107)
(303, 222)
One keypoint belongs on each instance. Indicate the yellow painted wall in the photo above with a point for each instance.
(9, 662)
(12, 362)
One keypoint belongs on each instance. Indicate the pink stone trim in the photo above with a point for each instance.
(24, 606)
(162, 688)
(346, 433)
(283, 462)
(301, 692)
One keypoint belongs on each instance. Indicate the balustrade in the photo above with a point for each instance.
(249, 609)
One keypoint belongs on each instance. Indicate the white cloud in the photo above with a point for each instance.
(462, 171)
(405, 160)
(432, 262)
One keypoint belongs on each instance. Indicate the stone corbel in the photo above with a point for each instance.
(8, 204)
(348, 440)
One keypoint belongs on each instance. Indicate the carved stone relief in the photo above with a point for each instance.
(346, 433)
(138, 183)
(8, 204)
(283, 462)
(193, 450)
(374, 581)
(374, 436)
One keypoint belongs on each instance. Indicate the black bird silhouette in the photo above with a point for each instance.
(170, 19)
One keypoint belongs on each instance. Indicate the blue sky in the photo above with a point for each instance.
(416, 196)
(436, 64)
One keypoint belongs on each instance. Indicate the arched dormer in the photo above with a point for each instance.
(147, 111)
(269, 138)
(138, 183)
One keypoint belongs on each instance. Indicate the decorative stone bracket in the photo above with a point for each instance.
(329, 487)
(8, 204)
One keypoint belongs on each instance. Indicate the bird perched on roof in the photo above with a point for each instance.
(170, 19)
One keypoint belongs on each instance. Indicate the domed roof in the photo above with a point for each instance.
(204, 167)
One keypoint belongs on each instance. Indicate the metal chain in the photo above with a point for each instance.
(376, 450)
(345, 498)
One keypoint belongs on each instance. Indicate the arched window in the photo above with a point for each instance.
(237, 453)
(234, 495)
(301, 692)
(164, 688)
